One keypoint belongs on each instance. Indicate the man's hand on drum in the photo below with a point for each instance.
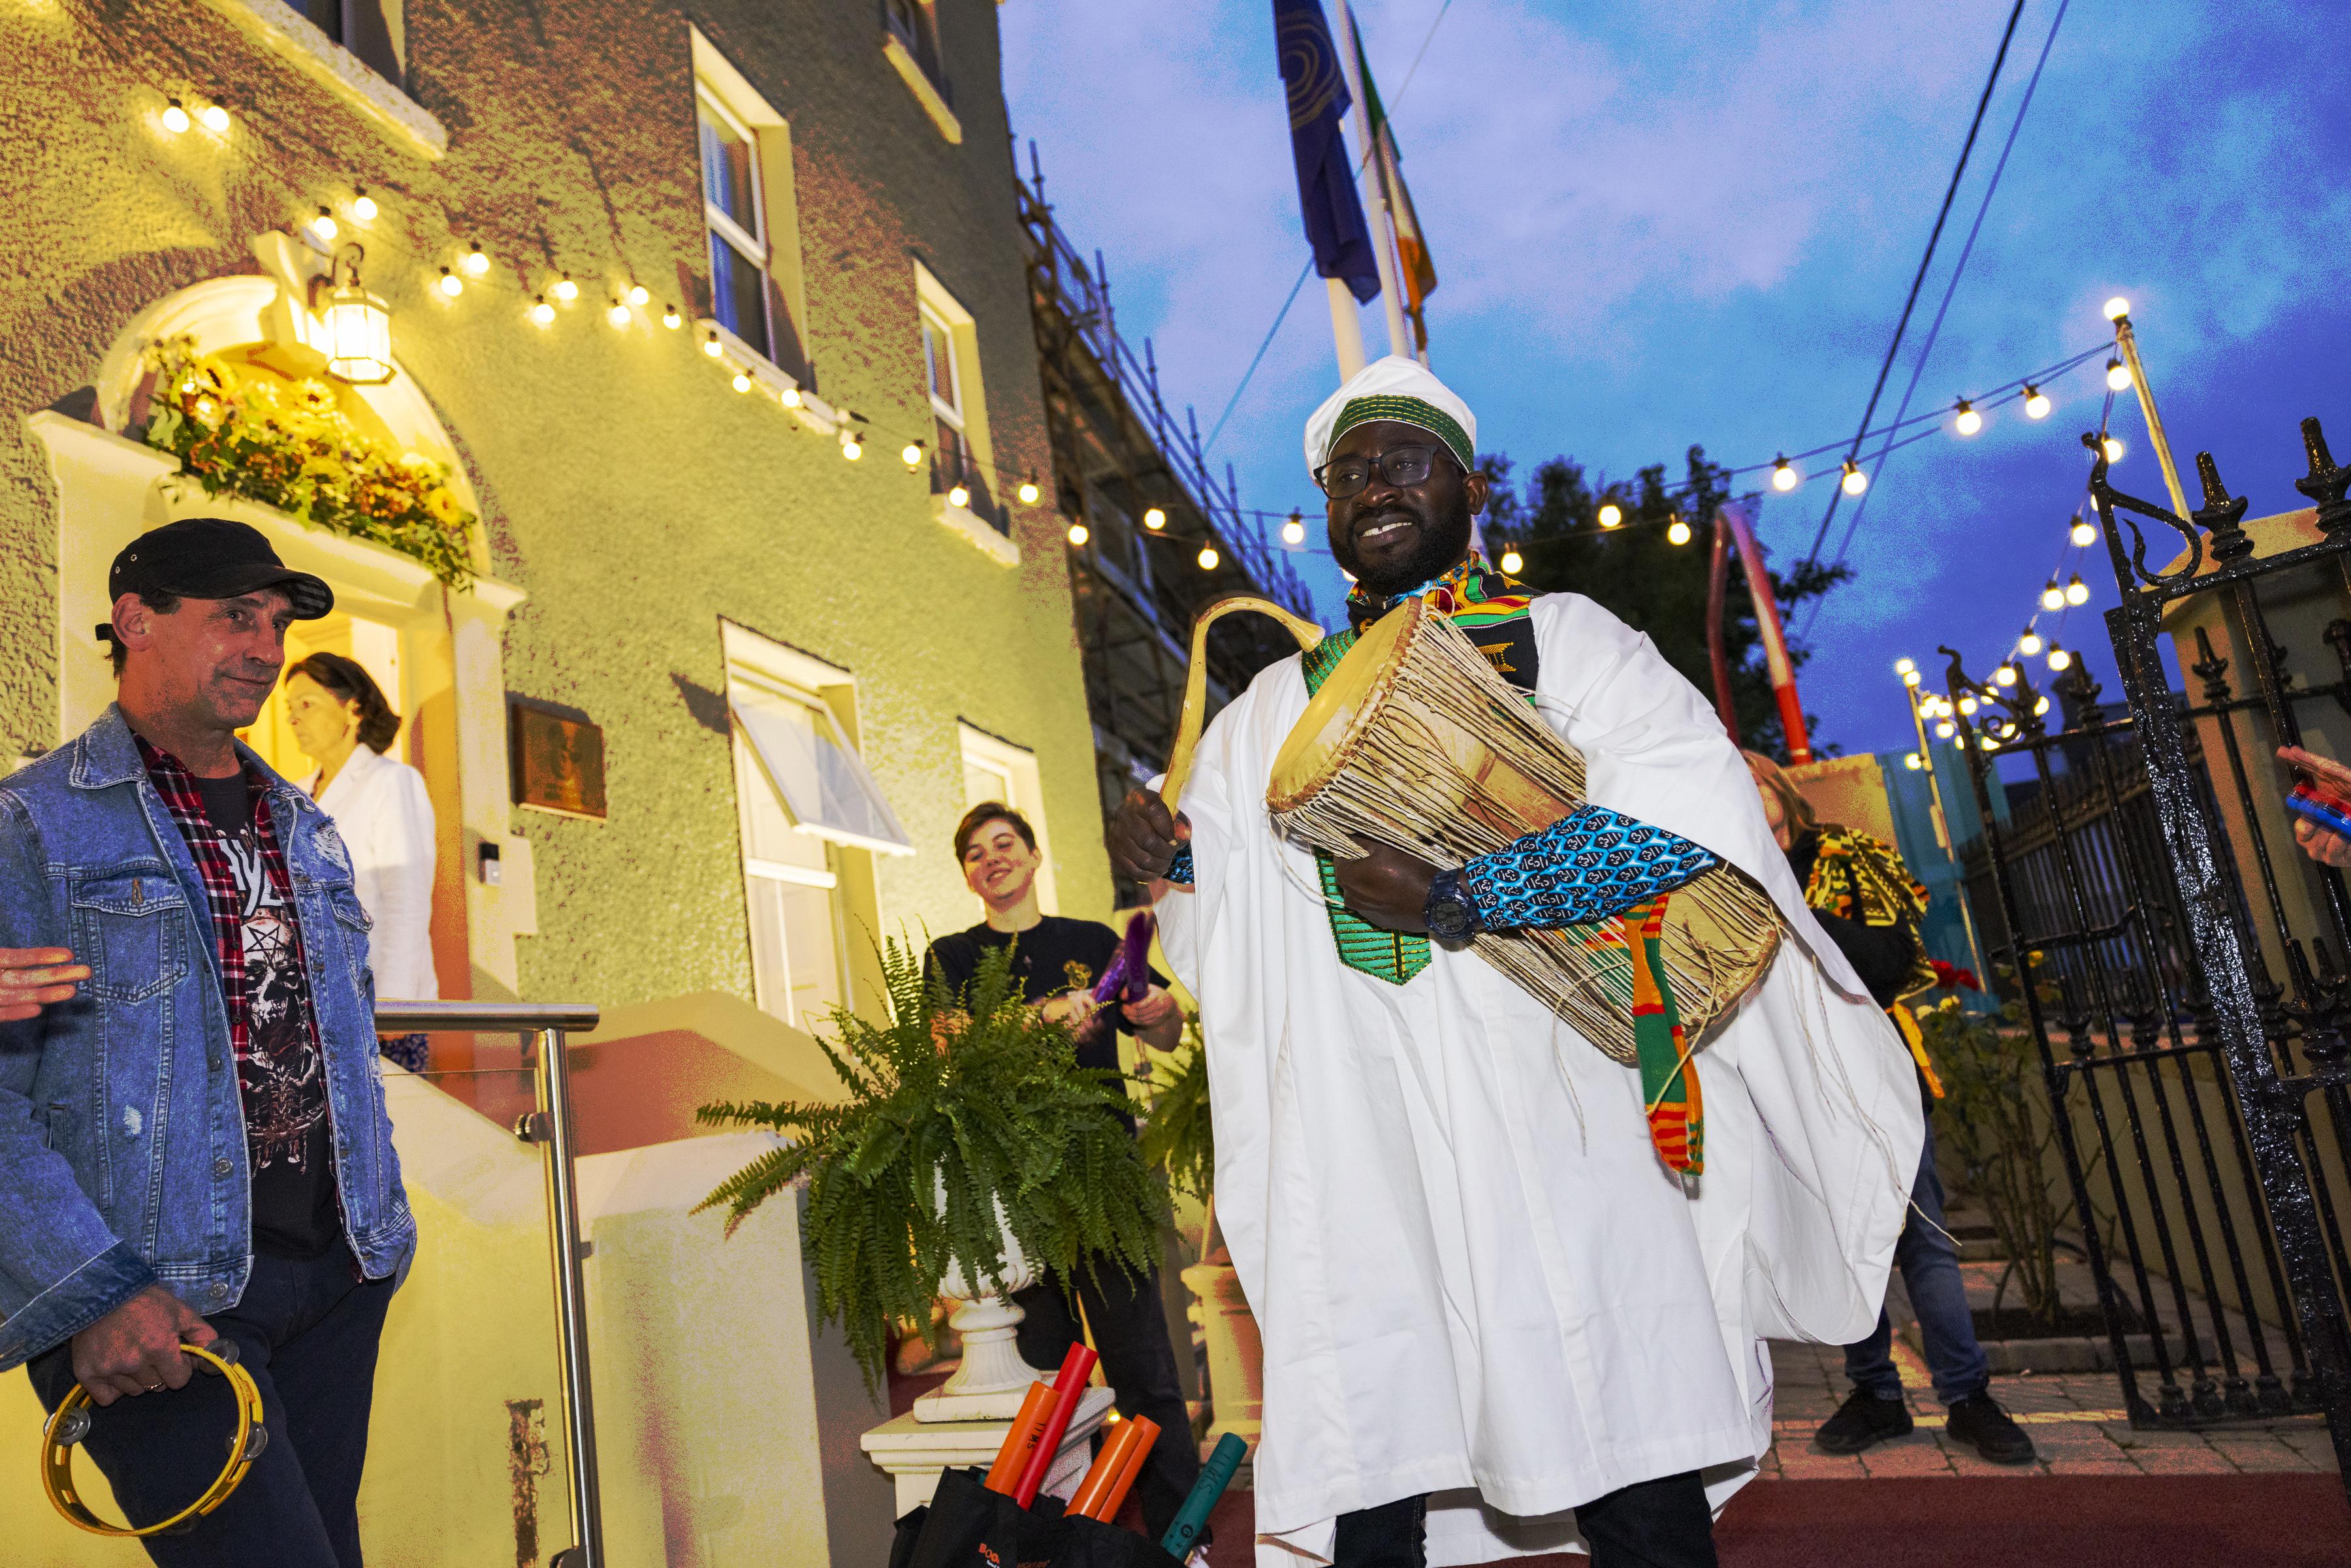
(1144, 835)
(2321, 844)
(1388, 887)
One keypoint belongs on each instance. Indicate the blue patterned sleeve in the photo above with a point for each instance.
(1592, 863)
(1179, 869)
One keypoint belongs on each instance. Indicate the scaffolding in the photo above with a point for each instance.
(1120, 457)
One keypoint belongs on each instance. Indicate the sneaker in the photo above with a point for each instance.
(1862, 1421)
(1979, 1422)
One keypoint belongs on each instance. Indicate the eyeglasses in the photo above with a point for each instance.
(1400, 465)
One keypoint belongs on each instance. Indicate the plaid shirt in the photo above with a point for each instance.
(186, 804)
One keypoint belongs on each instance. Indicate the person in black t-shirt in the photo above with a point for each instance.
(1057, 962)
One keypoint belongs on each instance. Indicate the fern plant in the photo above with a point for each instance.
(1179, 1137)
(976, 1098)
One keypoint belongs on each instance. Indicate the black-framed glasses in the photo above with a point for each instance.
(1400, 465)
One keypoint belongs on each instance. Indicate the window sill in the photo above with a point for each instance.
(920, 85)
(296, 38)
(977, 530)
(768, 377)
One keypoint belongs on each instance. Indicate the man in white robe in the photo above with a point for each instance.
(1495, 1323)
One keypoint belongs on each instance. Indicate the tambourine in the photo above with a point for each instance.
(71, 1423)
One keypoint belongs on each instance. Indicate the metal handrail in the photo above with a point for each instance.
(545, 1024)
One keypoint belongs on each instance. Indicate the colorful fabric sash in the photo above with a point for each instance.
(1668, 1078)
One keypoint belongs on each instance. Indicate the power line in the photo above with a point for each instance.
(1910, 303)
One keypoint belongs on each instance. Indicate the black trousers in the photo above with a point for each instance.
(1663, 1523)
(1138, 1362)
(308, 1332)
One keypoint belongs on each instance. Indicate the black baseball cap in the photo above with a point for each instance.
(212, 557)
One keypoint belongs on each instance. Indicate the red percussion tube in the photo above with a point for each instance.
(1069, 1384)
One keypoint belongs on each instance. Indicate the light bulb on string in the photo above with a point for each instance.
(789, 397)
(640, 294)
(363, 207)
(1854, 480)
(911, 455)
(2078, 591)
(1293, 532)
(2041, 707)
(618, 315)
(2058, 658)
(2036, 402)
(710, 345)
(541, 312)
(1905, 666)
(2005, 675)
(1912, 679)
(1946, 729)
(2083, 532)
(451, 284)
(1154, 519)
(323, 225)
(671, 318)
(1512, 563)
(2114, 449)
(1208, 557)
(1783, 477)
(851, 447)
(957, 495)
(1911, 761)
(1969, 421)
(2117, 376)
(1029, 490)
(1678, 532)
(2116, 309)
(2053, 597)
(1610, 515)
(565, 289)
(214, 119)
(742, 382)
(2030, 644)
(175, 117)
(1968, 705)
(1078, 534)
(1988, 743)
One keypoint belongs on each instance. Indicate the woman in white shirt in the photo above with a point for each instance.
(339, 717)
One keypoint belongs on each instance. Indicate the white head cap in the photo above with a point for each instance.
(1399, 389)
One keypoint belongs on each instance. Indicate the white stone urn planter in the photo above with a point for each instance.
(993, 1380)
(1236, 1353)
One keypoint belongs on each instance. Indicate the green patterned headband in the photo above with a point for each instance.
(1409, 411)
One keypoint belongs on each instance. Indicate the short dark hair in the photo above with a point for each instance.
(350, 682)
(988, 811)
(161, 603)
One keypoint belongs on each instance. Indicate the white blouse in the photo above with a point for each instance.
(381, 808)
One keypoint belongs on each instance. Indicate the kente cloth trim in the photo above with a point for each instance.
(1412, 411)
(1179, 869)
(1590, 864)
(1862, 878)
(1668, 1076)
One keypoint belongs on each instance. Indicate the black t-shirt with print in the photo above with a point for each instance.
(283, 1078)
(1043, 964)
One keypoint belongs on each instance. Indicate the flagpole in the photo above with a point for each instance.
(1384, 241)
(1346, 329)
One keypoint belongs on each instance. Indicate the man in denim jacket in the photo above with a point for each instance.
(194, 1147)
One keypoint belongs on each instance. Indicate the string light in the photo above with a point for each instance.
(789, 397)
(2078, 591)
(363, 207)
(1783, 477)
(1968, 705)
(851, 447)
(1512, 563)
(2083, 532)
(2053, 597)
(2117, 376)
(671, 318)
(1293, 532)
(1078, 534)
(710, 345)
(175, 118)
(1854, 480)
(1678, 532)
(2058, 658)
(742, 382)
(2036, 402)
(1029, 490)
(1969, 421)
(476, 263)
(2117, 308)
(1906, 666)
(911, 455)
(1946, 729)
(541, 312)
(2030, 644)
(214, 119)
(451, 284)
(1154, 519)
(1610, 515)
(1988, 743)
(1208, 557)
(640, 294)
(1910, 759)
(1911, 677)
(324, 225)
(2005, 675)
(2041, 707)
(957, 495)
(618, 315)
(565, 289)
(2114, 449)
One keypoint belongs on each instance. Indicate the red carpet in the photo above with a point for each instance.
(2066, 1521)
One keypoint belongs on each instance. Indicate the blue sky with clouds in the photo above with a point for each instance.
(1667, 223)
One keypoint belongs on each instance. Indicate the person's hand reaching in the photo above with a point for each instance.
(2321, 844)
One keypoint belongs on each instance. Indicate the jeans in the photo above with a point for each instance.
(1131, 1337)
(1930, 1272)
(1663, 1523)
(308, 1334)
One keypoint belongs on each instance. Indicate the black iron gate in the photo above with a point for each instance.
(2149, 899)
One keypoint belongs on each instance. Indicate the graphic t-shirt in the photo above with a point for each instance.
(280, 1068)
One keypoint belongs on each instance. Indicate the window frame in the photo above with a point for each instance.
(718, 225)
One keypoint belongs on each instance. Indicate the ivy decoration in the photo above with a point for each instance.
(290, 445)
(976, 1096)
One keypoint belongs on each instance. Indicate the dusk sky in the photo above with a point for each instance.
(1661, 224)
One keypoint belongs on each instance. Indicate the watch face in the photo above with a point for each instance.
(1448, 918)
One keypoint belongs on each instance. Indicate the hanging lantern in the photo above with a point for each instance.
(355, 326)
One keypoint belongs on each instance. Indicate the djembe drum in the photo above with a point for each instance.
(1414, 742)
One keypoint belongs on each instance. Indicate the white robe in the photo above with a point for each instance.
(1473, 1276)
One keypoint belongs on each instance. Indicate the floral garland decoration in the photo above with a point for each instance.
(292, 447)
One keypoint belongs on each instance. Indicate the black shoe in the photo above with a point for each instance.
(1862, 1421)
(1979, 1422)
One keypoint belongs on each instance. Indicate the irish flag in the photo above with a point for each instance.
(1419, 281)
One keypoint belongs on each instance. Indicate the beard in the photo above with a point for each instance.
(1444, 541)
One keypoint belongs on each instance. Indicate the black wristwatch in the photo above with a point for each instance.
(1451, 912)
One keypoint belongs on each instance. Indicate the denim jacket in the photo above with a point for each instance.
(122, 1146)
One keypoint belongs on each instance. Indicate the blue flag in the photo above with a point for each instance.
(1327, 198)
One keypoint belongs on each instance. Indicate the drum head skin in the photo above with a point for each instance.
(1336, 716)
